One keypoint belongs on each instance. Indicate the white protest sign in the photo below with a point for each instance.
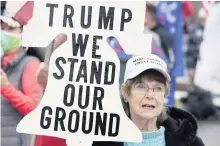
(82, 97)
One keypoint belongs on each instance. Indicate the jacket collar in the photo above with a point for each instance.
(180, 125)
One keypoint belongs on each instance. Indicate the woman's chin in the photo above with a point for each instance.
(148, 115)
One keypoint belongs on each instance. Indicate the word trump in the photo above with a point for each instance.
(105, 20)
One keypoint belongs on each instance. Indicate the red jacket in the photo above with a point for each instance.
(49, 141)
(188, 9)
(26, 100)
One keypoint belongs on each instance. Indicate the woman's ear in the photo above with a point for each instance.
(166, 94)
(167, 89)
(124, 93)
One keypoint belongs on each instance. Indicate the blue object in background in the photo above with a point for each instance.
(170, 14)
(157, 50)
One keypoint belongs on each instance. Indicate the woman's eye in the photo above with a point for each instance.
(157, 89)
(140, 86)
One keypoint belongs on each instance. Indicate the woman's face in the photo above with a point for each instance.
(149, 21)
(146, 99)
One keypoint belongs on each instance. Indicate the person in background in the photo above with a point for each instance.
(207, 74)
(156, 45)
(206, 83)
(195, 33)
(152, 22)
(19, 87)
(2, 6)
(188, 11)
(155, 36)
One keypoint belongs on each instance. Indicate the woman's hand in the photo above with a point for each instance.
(42, 75)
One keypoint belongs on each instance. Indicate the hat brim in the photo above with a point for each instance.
(139, 70)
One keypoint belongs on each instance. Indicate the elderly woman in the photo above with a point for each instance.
(143, 91)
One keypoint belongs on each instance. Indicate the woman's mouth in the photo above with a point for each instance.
(148, 106)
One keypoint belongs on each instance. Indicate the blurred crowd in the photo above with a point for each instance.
(20, 91)
(200, 67)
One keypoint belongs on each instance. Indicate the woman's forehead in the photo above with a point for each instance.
(5, 26)
(148, 81)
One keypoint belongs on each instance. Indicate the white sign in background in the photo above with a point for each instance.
(75, 103)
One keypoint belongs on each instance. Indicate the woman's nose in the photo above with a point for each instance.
(150, 94)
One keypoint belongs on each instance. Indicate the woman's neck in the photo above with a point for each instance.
(143, 124)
